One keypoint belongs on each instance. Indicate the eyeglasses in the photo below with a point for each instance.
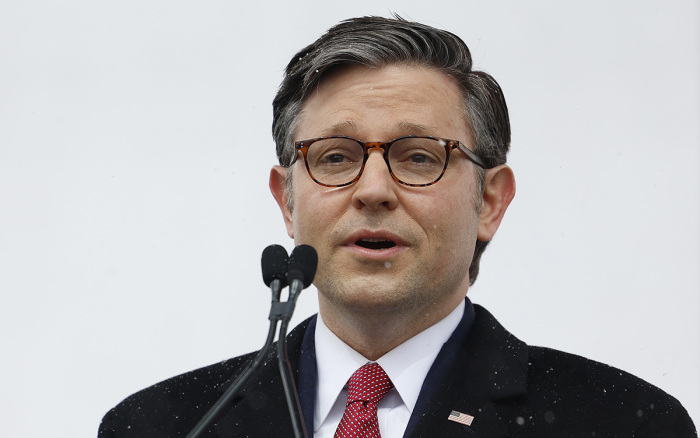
(338, 161)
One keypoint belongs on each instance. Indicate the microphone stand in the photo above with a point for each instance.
(232, 393)
(300, 271)
(285, 366)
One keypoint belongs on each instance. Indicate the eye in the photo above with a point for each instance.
(334, 158)
(416, 157)
(419, 157)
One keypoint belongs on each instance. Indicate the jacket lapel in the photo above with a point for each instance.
(488, 375)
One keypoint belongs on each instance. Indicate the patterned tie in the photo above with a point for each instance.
(366, 388)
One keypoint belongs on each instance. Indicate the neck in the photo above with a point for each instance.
(374, 332)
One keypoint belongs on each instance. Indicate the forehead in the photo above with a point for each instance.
(393, 100)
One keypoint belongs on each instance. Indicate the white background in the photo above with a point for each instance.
(134, 154)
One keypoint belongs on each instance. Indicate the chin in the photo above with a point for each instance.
(367, 296)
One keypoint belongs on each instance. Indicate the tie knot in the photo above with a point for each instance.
(369, 383)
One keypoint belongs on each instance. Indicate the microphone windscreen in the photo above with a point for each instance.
(302, 265)
(274, 264)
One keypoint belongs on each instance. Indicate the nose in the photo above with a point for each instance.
(376, 188)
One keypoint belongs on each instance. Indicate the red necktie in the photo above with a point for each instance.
(366, 388)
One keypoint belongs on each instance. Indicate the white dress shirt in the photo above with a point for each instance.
(406, 365)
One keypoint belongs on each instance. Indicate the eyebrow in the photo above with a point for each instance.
(342, 128)
(410, 128)
(351, 129)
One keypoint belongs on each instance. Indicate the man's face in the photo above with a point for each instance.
(384, 247)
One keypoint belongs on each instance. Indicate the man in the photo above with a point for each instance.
(392, 154)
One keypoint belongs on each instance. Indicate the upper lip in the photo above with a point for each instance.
(374, 235)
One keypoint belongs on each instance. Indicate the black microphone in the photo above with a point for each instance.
(299, 273)
(274, 264)
(274, 269)
(301, 266)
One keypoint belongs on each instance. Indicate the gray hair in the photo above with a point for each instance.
(377, 42)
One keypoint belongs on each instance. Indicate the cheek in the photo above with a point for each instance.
(314, 216)
(454, 225)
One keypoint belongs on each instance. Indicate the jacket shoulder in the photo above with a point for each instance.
(547, 392)
(156, 411)
(173, 407)
(572, 389)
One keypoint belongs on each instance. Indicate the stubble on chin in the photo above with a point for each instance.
(375, 295)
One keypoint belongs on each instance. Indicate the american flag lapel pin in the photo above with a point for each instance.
(461, 418)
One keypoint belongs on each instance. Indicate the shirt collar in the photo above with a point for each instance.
(406, 365)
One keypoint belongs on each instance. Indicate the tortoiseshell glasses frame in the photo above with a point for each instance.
(421, 153)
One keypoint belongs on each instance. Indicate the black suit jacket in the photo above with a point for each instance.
(511, 389)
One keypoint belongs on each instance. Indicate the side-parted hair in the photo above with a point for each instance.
(377, 42)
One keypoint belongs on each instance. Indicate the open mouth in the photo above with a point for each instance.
(376, 244)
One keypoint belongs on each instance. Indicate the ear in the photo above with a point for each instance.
(499, 190)
(278, 187)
